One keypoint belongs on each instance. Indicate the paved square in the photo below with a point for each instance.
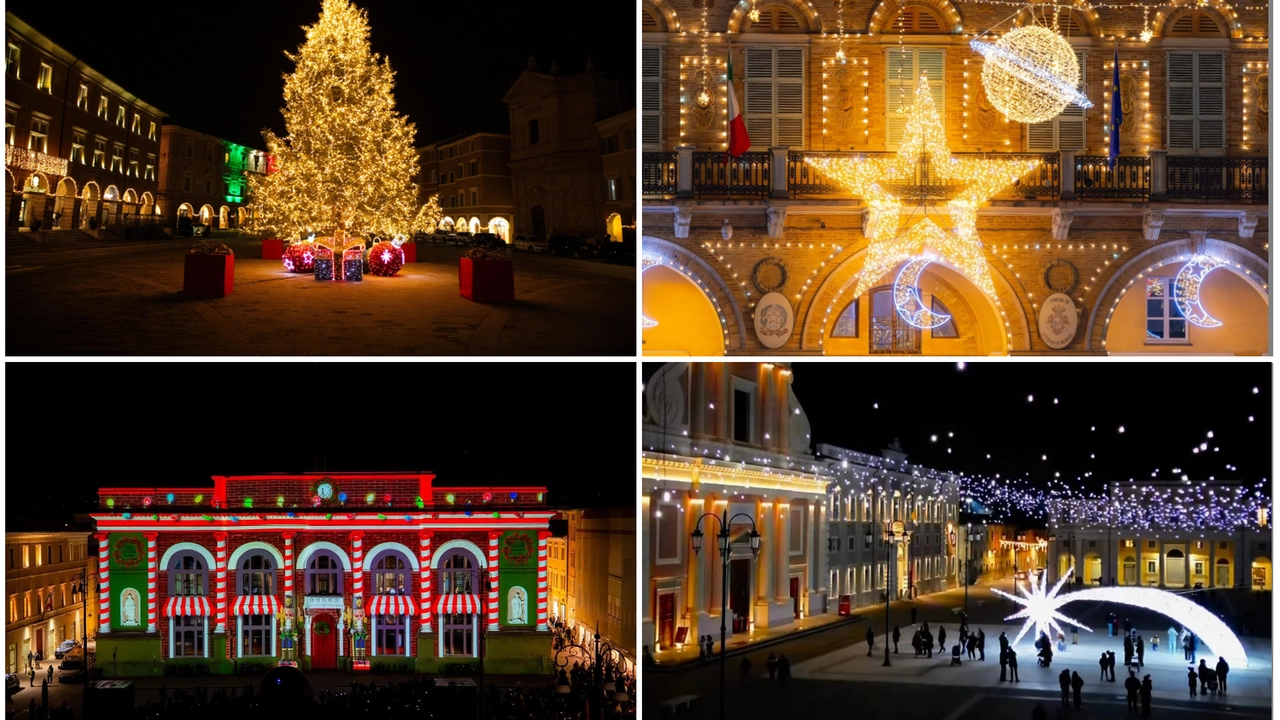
(88, 297)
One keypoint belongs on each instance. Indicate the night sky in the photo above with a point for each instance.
(1166, 408)
(217, 67)
(71, 429)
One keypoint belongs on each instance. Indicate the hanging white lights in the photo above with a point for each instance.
(1030, 74)
(1186, 290)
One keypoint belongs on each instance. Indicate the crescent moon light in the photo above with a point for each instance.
(1186, 290)
(906, 296)
(1040, 608)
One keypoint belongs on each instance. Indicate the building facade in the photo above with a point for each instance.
(1149, 551)
(990, 559)
(43, 580)
(78, 147)
(557, 175)
(870, 493)
(322, 571)
(472, 177)
(717, 438)
(606, 573)
(1075, 257)
(618, 161)
(206, 178)
(558, 577)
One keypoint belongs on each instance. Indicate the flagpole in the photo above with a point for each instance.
(727, 129)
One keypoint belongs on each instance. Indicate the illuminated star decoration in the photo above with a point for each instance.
(884, 181)
(646, 262)
(1040, 608)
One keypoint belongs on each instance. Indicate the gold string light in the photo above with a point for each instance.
(1257, 68)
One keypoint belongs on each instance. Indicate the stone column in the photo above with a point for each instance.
(1213, 567)
(684, 171)
(1067, 175)
(104, 583)
(1160, 563)
(778, 172)
(152, 591)
(694, 601)
(1159, 175)
(492, 599)
(1186, 567)
(782, 557)
(424, 580)
(220, 557)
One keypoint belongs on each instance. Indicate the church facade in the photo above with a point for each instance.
(339, 571)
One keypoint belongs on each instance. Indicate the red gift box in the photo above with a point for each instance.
(208, 276)
(410, 252)
(486, 281)
(272, 249)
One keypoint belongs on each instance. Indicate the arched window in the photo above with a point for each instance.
(917, 20)
(187, 574)
(459, 576)
(460, 582)
(1195, 22)
(324, 574)
(1174, 553)
(257, 576)
(948, 328)
(390, 575)
(847, 323)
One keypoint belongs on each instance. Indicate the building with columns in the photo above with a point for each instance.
(43, 580)
(338, 570)
(1157, 554)
(1076, 256)
(717, 438)
(869, 491)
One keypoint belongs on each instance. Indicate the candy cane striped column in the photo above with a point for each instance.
(493, 581)
(104, 584)
(424, 562)
(288, 576)
(220, 557)
(357, 575)
(542, 579)
(153, 598)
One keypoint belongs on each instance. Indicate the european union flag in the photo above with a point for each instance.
(1117, 115)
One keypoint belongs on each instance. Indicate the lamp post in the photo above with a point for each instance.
(82, 585)
(723, 537)
(482, 581)
(893, 532)
(970, 538)
(594, 657)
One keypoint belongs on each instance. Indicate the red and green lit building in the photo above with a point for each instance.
(338, 570)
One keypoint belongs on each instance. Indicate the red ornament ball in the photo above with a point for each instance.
(299, 257)
(385, 259)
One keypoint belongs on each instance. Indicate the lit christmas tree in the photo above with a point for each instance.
(347, 164)
(428, 217)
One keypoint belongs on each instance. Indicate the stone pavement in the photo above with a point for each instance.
(688, 654)
(1249, 686)
(121, 298)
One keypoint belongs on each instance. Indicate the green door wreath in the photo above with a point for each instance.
(321, 628)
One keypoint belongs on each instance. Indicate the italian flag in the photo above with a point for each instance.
(738, 140)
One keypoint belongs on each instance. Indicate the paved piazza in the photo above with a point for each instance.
(124, 298)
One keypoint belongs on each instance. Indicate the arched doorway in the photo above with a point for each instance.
(446, 224)
(129, 202)
(1092, 568)
(1261, 573)
(91, 198)
(324, 642)
(461, 225)
(500, 227)
(474, 225)
(1175, 568)
(613, 225)
(224, 214)
(1222, 573)
(185, 210)
(206, 215)
(687, 323)
(35, 194)
(1130, 570)
(64, 205)
(110, 205)
(241, 215)
(149, 204)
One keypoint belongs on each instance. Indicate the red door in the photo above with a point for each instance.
(666, 619)
(324, 642)
(795, 597)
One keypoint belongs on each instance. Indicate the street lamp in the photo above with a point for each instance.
(723, 536)
(894, 532)
(606, 689)
(82, 586)
(482, 581)
(970, 538)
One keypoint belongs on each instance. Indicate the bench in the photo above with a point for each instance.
(673, 705)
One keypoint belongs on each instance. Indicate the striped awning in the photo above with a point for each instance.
(459, 604)
(255, 605)
(187, 605)
(391, 605)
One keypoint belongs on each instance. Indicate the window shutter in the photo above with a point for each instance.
(1182, 111)
(651, 98)
(1065, 132)
(790, 98)
(774, 97)
(1210, 102)
(904, 68)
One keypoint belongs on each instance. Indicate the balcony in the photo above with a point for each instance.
(782, 173)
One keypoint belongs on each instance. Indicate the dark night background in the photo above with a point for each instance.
(74, 428)
(217, 68)
(1166, 408)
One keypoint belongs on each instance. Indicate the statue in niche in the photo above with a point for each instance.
(1129, 104)
(129, 608)
(988, 116)
(1262, 107)
(517, 607)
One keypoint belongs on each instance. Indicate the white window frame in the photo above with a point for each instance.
(117, 158)
(1200, 90)
(1072, 114)
(43, 134)
(77, 146)
(764, 95)
(937, 86)
(1170, 308)
(651, 97)
(13, 60)
(120, 115)
(10, 124)
(99, 153)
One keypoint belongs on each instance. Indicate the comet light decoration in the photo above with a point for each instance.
(1186, 290)
(923, 168)
(646, 262)
(1040, 609)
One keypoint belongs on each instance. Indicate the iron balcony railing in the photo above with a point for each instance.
(658, 173)
(1218, 179)
(1130, 179)
(804, 180)
(746, 175)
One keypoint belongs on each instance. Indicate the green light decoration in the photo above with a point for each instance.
(328, 516)
(155, 517)
(448, 498)
(539, 497)
(381, 516)
(111, 502)
(369, 498)
(207, 518)
(199, 499)
(279, 501)
(248, 502)
(496, 514)
(420, 503)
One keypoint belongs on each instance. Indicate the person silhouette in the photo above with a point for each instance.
(1145, 693)
(1077, 683)
(1064, 683)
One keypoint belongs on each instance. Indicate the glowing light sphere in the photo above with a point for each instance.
(1030, 74)
(1186, 291)
(488, 497)
(199, 499)
(299, 258)
(128, 516)
(111, 502)
(385, 259)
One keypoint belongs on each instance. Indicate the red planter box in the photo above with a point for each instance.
(272, 249)
(486, 281)
(410, 252)
(208, 276)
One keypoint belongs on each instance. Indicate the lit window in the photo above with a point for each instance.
(77, 146)
(102, 106)
(150, 173)
(11, 60)
(45, 81)
(1165, 323)
(137, 124)
(117, 158)
(10, 125)
(99, 153)
(151, 134)
(82, 99)
(133, 163)
(120, 116)
(613, 188)
(39, 139)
